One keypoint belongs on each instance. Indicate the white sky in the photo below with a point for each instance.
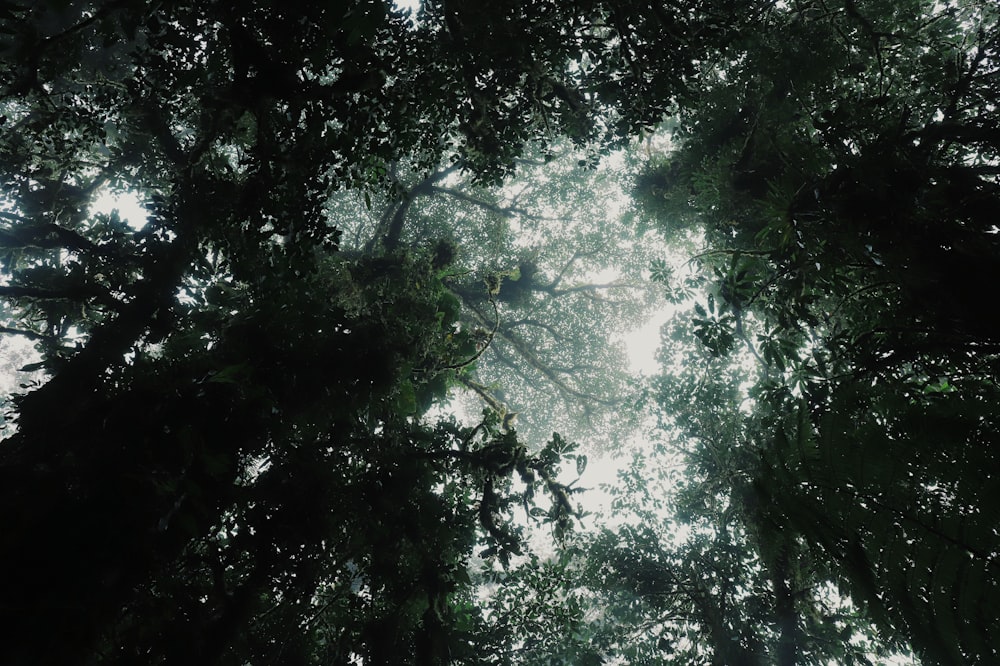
(127, 203)
(641, 343)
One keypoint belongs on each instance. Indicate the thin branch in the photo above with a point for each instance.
(576, 255)
(31, 335)
(526, 161)
(73, 294)
(486, 345)
(576, 367)
(525, 351)
(485, 393)
(44, 236)
(507, 211)
(508, 361)
(160, 129)
(537, 324)
(741, 334)
(97, 16)
(751, 253)
(593, 287)
(424, 187)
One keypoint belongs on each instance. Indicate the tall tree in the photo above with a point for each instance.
(237, 471)
(547, 275)
(841, 168)
(231, 462)
(685, 567)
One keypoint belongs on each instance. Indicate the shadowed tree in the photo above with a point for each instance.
(230, 460)
(227, 463)
(845, 181)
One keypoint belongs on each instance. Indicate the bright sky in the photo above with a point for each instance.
(642, 343)
(127, 203)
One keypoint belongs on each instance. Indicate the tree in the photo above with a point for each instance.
(687, 567)
(237, 447)
(527, 273)
(243, 469)
(847, 198)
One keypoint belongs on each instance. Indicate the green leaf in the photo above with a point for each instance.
(660, 271)
(406, 400)
(231, 374)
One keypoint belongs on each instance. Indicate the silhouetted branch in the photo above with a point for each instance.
(402, 206)
(31, 335)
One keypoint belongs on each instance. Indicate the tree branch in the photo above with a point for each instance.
(525, 351)
(486, 345)
(485, 393)
(537, 324)
(44, 236)
(507, 211)
(97, 16)
(81, 293)
(590, 288)
(31, 335)
(566, 267)
(424, 187)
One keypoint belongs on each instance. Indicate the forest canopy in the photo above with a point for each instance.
(236, 438)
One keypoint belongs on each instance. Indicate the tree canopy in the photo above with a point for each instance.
(848, 205)
(545, 270)
(233, 444)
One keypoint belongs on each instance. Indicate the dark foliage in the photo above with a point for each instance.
(230, 461)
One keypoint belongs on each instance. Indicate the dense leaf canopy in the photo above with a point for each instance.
(232, 444)
(849, 204)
